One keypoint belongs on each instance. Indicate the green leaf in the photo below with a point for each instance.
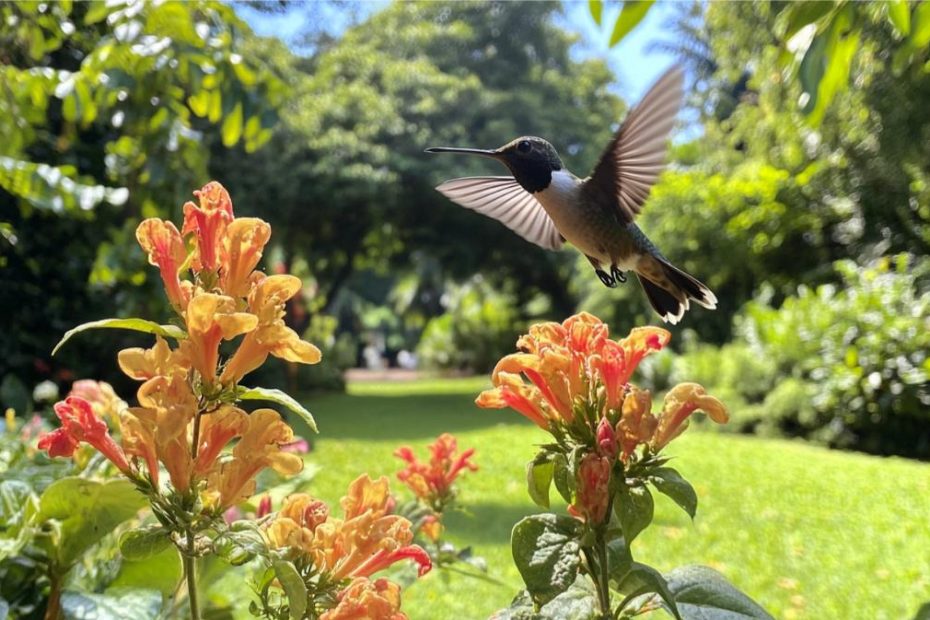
(631, 14)
(899, 14)
(161, 572)
(279, 397)
(832, 56)
(114, 605)
(596, 7)
(920, 25)
(564, 480)
(701, 593)
(18, 507)
(546, 552)
(800, 14)
(642, 579)
(139, 325)
(634, 507)
(293, 586)
(241, 543)
(670, 483)
(96, 11)
(87, 511)
(579, 602)
(232, 126)
(539, 474)
(143, 542)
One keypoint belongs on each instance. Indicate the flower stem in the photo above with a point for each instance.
(603, 589)
(191, 577)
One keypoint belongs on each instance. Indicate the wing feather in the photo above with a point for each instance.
(503, 199)
(635, 157)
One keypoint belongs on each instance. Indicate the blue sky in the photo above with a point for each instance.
(634, 67)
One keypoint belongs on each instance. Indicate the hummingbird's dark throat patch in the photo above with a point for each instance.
(533, 176)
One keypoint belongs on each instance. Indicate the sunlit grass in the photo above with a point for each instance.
(807, 532)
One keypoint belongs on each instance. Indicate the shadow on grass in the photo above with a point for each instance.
(489, 523)
(405, 417)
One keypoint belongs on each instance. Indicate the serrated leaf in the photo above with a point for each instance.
(670, 483)
(86, 511)
(293, 586)
(701, 593)
(631, 14)
(641, 579)
(279, 397)
(139, 325)
(546, 552)
(634, 507)
(596, 7)
(539, 474)
(143, 542)
(116, 605)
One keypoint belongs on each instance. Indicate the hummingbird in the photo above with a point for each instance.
(546, 204)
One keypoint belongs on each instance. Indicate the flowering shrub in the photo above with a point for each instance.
(194, 453)
(434, 493)
(573, 381)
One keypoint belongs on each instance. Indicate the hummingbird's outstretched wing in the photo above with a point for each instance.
(635, 157)
(507, 202)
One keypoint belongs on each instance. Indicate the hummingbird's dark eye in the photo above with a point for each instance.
(524, 146)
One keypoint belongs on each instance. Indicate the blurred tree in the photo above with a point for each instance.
(103, 109)
(345, 178)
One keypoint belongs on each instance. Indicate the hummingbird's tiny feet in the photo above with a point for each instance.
(617, 275)
(608, 281)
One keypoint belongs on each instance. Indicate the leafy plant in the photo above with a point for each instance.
(605, 460)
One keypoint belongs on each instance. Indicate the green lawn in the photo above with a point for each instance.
(807, 532)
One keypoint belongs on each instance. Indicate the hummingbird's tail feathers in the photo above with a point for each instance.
(695, 289)
(670, 290)
(669, 308)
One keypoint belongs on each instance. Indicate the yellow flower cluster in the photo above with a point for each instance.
(185, 416)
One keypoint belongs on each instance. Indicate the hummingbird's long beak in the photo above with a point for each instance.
(493, 154)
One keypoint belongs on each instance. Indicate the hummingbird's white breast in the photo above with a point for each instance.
(577, 221)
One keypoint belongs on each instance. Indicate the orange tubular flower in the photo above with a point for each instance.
(260, 447)
(242, 249)
(211, 318)
(637, 424)
(80, 424)
(216, 430)
(101, 396)
(512, 392)
(433, 482)
(431, 527)
(593, 495)
(566, 364)
(680, 402)
(364, 599)
(162, 242)
(208, 222)
(167, 407)
(366, 541)
(272, 336)
(143, 364)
